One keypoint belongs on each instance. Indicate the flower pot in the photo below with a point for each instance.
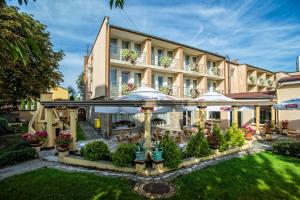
(36, 144)
(157, 154)
(269, 136)
(248, 136)
(63, 147)
(140, 155)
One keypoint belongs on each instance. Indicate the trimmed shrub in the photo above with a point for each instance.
(290, 148)
(15, 156)
(97, 150)
(171, 153)
(216, 139)
(124, 155)
(234, 137)
(3, 126)
(198, 146)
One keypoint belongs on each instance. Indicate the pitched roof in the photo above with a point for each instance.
(252, 95)
(289, 79)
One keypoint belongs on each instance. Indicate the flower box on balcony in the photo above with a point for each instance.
(270, 83)
(127, 88)
(129, 55)
(194, 67)
(194, 92)
(252, 80)
(262, 82)
(166, 90)
(165, 61)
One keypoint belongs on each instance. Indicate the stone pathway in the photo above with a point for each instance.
(92, 135)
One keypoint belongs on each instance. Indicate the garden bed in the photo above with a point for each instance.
(107, 165)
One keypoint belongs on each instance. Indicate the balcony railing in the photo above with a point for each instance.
(215, 71)
(251, 80)
(165, 62)
(262, 82)
(168, 90)
(194, 67)
(190, 92)
(128, 55)
(118, 88)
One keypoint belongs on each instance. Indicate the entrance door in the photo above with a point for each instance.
(81, 114)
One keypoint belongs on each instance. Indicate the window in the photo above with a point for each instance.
(187, 83)
(113, 46)
(186, 60)
(194, 60)
(211, 64)
(170, 81)
(159, 55)
(163, 116)
(113, 77)
(170, 54)
(137, 47)
(152, 56)
(125, 77)
(160, 80)
(232, 70)
(137, 79)
(125, 45)
(153, 81)
(215, 115)
(195, 84)
(211, 86)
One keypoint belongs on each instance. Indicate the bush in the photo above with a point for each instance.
(3, 126)
(198, 146)
(171, 153)
(97, 150)
(290, 148)
(124, 155)
(15, 156)
(233, 137)
(216, 139)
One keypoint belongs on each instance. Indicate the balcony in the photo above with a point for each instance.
(215, 71)
(262, 82)
(168, 90)
(190, 92)
(251, 80)
(270, 84)
(127, 55)
(194, 67)
(165, 62)
(118, 89)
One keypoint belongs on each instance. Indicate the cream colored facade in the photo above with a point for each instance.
(59, 93)
(190, 70)
(286, 91)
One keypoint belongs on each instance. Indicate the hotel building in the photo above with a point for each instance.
(123, 59)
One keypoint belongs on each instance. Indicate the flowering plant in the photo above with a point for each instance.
(248, 131)
(38, 138)
(285, 124)
(64, 139)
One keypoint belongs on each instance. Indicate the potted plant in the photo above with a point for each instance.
(252, 79)
(63, 141)
(284, 124)
(195, 67)
(129, 55)
(127, 88)
(140, 151)
(248, 132)
(194, 92)
(165, 61)
(270, 83)
(262, 81)
(165, 90)
(37, 139)
(269, 131)
(157, 151)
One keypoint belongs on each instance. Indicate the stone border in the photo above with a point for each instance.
(139, 188)
(187, 163)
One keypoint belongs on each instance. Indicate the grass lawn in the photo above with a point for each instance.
(259, 176)
(80, 135)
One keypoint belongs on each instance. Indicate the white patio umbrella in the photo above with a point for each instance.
(291, 104)
(174, 109)
(215, 96)
(146, 93)
(122, 110)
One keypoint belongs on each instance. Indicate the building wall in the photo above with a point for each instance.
(97, 64)
(286, 92)
(59, 93)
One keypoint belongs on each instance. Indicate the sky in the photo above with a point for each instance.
(262, 33)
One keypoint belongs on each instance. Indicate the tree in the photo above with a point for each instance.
(72, 93)
(80, 85)
(117, 3)
(28, 63)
